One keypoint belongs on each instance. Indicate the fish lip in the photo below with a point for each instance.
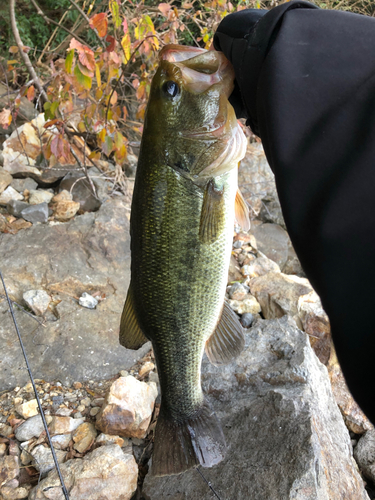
(178, 53)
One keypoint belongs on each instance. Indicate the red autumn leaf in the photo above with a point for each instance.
(125, 25)
(60, 147)
(112, 42)
(85, 71)
(164, 8)
(75, 44)
(135, 83)
(100, 23)
(85, 55)
(31, 93)
(87, 59)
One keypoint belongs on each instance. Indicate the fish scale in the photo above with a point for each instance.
(180, 283)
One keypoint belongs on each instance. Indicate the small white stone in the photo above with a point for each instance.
(94, 411)
(128, 408)
(105, 439)
(37, 300)
(87, 300)
(40, 196)
(64, 412)
(63, 425)
(43, 458)
(61, 441)
(28, 409)
(10, 194)
(248, 305)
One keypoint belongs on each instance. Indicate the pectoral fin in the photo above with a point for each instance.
(241, 211)
(227, 341)
(212, 216)
(131, 335)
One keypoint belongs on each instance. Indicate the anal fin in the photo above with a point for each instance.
(241, 211)
(131, 335)
(227, 341)
(213, 214)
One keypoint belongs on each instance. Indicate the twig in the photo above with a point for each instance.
(59, 25)
(21, 47)
(84, 168)
(118, 79)
(78, 28)
(83, 14)
(48, 44)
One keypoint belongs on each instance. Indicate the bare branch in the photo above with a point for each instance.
(83, 14)
(84, 168)
(59, 25)
(24, 55)
(78, 28)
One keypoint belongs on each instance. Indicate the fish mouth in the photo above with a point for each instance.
(200, 68)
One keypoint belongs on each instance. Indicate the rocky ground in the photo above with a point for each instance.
(290, 423)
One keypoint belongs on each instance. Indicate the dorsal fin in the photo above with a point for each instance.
(227, 341)
(131, 335)
(241, 211)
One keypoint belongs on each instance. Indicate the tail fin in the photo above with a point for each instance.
(181, 445)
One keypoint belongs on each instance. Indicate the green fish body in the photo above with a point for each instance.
(182, 217)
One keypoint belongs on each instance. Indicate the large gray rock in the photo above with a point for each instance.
(106, 474)
(274, 242)
(79, 186)
(278, 293)
(88, 254)
(285, 434)
(257, 184)
(364, 453)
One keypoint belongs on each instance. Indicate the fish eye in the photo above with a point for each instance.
(170, 88)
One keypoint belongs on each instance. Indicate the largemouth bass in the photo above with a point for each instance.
(182, 218)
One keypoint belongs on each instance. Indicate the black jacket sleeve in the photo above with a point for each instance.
(306, 83)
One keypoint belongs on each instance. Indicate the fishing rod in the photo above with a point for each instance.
(65, 491)
(207, 482)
